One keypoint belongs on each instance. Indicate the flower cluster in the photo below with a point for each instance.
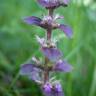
(53, 57)
(52, 4)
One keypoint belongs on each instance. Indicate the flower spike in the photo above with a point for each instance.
(39, 71)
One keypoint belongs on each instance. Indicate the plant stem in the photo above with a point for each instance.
(50, 12)
(46, 73)
(49, 30)
(49, 33)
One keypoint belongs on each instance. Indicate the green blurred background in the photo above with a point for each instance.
(18, 45)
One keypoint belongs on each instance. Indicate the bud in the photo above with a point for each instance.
(50, 89)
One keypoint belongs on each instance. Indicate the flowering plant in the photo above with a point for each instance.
(39, 71)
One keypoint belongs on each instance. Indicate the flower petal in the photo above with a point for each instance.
(58, 87)
(35, 76)
(33, 20)
(52, 54)
(26, 69)
(53, 93)
(62, 66)
(66, 29)
(30, 71)
(58, 90)
(49, 3)
(47, 87)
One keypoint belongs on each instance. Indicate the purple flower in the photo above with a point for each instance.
(29, 70)
(47, 23)
(47, 87)
(58, 87)
(51, 4)
(52, 89)
(62, 66)
(53, 54)
(32, 20)
(44, 23)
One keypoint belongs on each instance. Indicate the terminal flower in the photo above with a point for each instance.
(51, 4)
